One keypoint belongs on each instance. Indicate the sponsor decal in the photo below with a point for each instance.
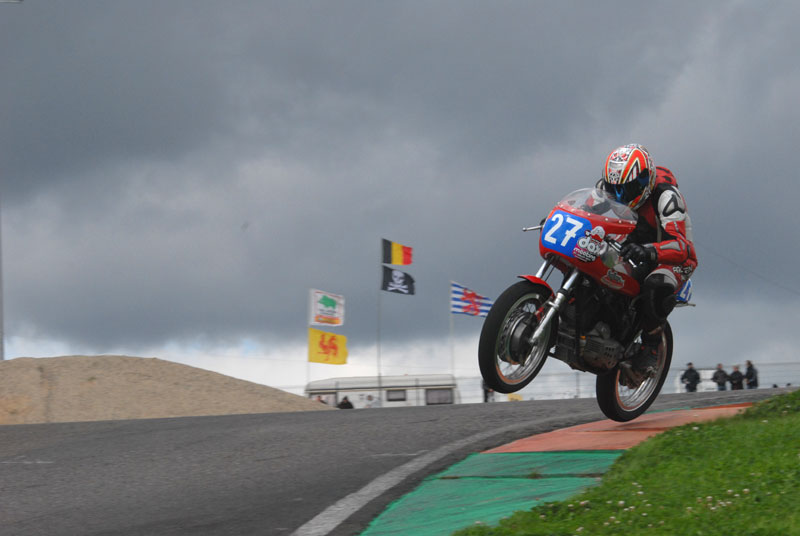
(685, 271)
(591, 245)
(613, 280)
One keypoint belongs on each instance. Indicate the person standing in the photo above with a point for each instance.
(736, 378)
(345, 404)
(751, 375)
(720, 377)
(488, 393)
(373, 402)
(690, 378)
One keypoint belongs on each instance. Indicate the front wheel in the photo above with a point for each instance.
(507, 356)
(621, 403)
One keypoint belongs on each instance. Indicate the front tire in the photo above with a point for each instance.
(622, 404)
(508, 359)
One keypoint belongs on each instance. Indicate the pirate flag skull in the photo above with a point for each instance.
(397, 281)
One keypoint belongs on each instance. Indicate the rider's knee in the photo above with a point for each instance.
(658, 293)
(661, 279)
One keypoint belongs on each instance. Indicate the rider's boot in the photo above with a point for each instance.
(646, 359)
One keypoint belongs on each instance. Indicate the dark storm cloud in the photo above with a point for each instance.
(731, 138)
(185, 171)
(86, 84)
(486, 82)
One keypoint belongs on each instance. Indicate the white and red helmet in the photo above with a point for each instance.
(629, 174)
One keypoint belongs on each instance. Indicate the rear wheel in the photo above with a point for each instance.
(621, 403)
(507, 356)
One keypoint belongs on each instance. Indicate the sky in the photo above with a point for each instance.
(175, 176)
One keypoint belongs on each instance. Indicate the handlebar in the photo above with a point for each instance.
(613, 243)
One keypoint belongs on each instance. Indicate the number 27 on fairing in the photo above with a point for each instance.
(562, 230)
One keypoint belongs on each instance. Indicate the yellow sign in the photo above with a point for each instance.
(324, 347)
(513, 397)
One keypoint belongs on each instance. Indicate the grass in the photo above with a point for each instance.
(735, 476)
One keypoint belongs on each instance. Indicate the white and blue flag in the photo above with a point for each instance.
(464, 301)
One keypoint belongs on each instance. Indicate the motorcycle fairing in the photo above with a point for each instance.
(562, 230)
(574, 232)
(684, 295)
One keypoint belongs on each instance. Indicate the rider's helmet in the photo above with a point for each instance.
(629, 175)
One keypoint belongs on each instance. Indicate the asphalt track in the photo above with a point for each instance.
(326, 473)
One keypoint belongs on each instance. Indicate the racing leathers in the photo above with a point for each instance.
(662, 242)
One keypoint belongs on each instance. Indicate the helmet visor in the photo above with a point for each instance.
(629, 191)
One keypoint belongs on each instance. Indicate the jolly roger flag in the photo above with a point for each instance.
(397, 281)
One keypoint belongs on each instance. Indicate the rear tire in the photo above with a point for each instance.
(619, 403)
(508, 359)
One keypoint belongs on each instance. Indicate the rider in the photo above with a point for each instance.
(661, 242)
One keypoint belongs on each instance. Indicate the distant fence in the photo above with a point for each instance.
(574, 384)
(559, 384)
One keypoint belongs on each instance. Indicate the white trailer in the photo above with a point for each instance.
(396, 391)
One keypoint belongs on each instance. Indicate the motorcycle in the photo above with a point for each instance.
(592, 323)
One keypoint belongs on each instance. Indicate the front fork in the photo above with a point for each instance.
(555, 304)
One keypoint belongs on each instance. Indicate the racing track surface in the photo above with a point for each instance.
(308, 473)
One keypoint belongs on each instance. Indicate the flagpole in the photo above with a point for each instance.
(452, 336)
(380, 285)
(308, 359)
(308, 369)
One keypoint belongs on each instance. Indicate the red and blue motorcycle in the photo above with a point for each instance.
(592, 322)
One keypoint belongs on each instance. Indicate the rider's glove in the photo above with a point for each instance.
(638, 253)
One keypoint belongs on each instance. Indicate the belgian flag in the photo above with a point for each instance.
(394, 253)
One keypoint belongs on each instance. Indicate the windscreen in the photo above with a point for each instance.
(596, 201)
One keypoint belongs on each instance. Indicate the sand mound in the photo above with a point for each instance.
(97, 388)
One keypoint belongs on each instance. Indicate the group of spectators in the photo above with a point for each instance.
(691, 378)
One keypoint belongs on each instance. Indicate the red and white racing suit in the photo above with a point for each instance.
(664, 223)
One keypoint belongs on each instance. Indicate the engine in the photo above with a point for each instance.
(604, 320)
(596, 351)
